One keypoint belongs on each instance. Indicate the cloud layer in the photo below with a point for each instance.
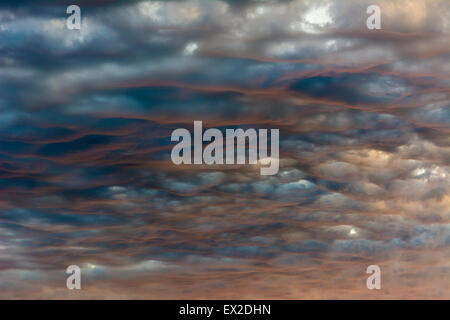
(85, 170)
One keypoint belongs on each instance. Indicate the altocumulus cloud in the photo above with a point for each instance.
(85, 170)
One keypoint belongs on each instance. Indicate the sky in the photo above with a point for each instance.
(86, 176)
